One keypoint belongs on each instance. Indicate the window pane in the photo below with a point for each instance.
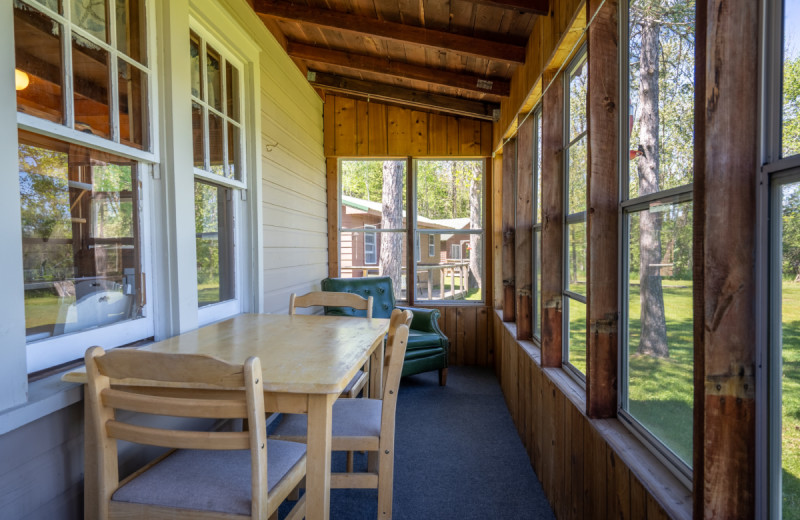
(214, 239)
(661, 90)
(660, 335)
(234, 158)
(131, 38)
(90, 70)
(576, 353)
(194, 59)
(791, 79)
(215, 144)
(450, 194)
(790, 351)
(232, 87)
(91, 16)
(213, 78)
(39, 66)
(537, 284)
(55, 5)
(451, 267)
(356, 255)
(538, 217)
(373, 193)
(133, 124)
(80, 237)
(576, 257)
(578, 82)
(577, 176)
(198, 138)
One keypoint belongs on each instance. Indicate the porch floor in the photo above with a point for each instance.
(458, 456)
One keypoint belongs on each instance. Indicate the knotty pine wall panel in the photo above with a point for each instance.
(369, 129)
(582, 473)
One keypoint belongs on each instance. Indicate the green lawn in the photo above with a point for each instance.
(791, 400)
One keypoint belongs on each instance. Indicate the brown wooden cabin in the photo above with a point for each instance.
(321, 81)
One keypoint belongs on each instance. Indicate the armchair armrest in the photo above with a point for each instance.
(425, 320)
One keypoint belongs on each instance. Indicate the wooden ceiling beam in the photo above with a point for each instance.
(397, 69)
(351, 23)
(403, 96)
(527, 6)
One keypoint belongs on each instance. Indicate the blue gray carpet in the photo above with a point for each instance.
(457, 456)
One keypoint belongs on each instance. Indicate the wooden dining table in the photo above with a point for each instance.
(306, 361)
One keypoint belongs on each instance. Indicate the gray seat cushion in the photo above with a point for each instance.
(208, 480)
(351, 418)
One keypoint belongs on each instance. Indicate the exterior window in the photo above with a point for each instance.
(370, 250)
(455, 252)
(781, 153)
(575, 217)
(537, 224)
(71, 68)
(448, 223)
(373, 196)
(656, 397)
(218, 146)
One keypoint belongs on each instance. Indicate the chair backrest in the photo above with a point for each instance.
(395, 355)
(398, 317)
(146, 382)
(331, 299)
(379, 287)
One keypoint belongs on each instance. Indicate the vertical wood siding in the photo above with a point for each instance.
(588, 468)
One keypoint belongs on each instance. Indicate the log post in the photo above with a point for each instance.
(523, 238)
(602, 217)
(509, 215)
(552, 219)
(730, 165)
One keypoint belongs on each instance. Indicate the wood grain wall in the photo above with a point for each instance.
(589, 468)
(469, 330)
(356, 128)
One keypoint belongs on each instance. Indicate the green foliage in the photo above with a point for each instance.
(791, 106)
(207, 230)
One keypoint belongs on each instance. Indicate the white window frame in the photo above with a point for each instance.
(373, 237)
(455, 251)
(537, 224)
(45, 353)
(243, 55)
(431, 246)
(67, 131)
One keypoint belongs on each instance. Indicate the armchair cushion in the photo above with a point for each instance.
(427, 344)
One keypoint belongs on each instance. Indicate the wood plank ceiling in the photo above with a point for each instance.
(452, 56)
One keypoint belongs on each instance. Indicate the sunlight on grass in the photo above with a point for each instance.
(577, 334)
(791, 400)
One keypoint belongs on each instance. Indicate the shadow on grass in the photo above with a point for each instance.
(668, 419)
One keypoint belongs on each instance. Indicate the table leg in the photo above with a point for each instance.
(318, 458)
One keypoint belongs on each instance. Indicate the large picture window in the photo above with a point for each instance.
(575, 216)
(537, 223)
(656, 397)
(448, 215)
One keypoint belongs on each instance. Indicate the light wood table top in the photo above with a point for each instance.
(299, 354)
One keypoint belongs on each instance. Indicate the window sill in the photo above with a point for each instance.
(45, 396)
(666, 489)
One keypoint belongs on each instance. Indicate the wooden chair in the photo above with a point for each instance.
(337, 299)
(364, 425)
(206, 474)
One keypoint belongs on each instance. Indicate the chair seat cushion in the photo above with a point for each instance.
(208, 480)
(351, 418)
(417, 339)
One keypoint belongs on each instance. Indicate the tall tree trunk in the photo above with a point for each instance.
(391, 259)
(475, 253)
(653, 322)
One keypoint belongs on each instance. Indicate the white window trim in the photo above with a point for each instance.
(431, 246)
(455, 251)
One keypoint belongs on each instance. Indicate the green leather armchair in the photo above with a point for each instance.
(427, 344)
